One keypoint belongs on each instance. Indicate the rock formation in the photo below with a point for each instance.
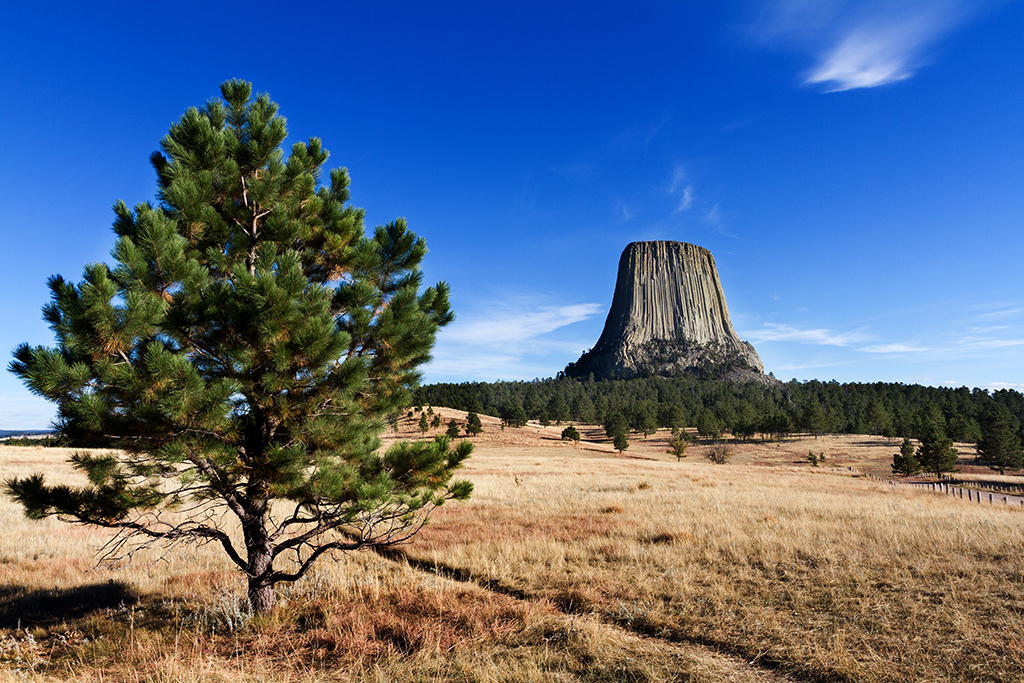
(668, 316)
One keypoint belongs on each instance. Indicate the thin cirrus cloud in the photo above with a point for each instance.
(679, 187)
(782, 332)
(508, 341)
(895, 348)
(859, 44)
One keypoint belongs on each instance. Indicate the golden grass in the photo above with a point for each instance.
(825, 576)
(568, 564)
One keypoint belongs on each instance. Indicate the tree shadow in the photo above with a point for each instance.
(26, 607)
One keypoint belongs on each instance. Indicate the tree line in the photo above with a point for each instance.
(994, 420)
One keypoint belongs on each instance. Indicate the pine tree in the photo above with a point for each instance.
(620, 441)
(936, 453)
(644, 417)
(453, 429)
(473, 424)
(905, 462)
(707, 425)
(423, 424)
(999, 445)
(570, 433)
(678, 445)
(615, 423)
(513, 414)
(245, 348)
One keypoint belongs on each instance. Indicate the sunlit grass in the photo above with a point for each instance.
(567, 564)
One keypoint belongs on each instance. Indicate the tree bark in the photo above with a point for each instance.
(259, 561)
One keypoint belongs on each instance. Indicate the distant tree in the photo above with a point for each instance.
(936, 453)
(558, 409)
(453, 429)
(424, 424)
(615, 423)
(678, 445)
(473, 424)
(707, 425)
(905, 463)
(879, 418)
(620, 441)
(513, 415)
(582, 409)
(435, 421)
(241, 356)
(570, 433)
(812, 418)
(999, 445)
(812, 458)
(543, 418)
(671, 415)
(532, 404)
(644, 417)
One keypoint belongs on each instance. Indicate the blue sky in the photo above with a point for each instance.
(856, 168)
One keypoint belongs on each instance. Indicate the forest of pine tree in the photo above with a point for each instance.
(746, 410)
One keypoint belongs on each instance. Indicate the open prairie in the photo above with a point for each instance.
(569, 563)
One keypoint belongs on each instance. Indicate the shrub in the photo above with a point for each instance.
(718, 454)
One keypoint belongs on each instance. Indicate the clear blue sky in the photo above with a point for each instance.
(856, 168)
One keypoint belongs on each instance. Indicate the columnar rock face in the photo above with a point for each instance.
(668, 315)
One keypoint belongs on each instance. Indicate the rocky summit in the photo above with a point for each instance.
(668, 316)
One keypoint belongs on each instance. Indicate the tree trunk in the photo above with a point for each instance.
(259, 563)
(262, 598)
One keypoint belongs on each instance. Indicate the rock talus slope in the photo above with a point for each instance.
(668, 315)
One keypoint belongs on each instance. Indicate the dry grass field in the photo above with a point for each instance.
(570, 563)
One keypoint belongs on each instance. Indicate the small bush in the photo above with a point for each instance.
(718, 454)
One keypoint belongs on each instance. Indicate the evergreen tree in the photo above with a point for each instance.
(678, 445)
(644, 417)
(999, 445)
(707, 425)
(812, 418)
(615, 423)
(905, 463)
(424, 424)
(936, 453)
(244, 349)
(558, 409)
(570, 433)
(620, 441)
(473, 424)
(513, 415)
(583, 409)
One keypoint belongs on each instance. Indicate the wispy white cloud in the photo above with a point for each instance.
(865, 43)
(681, 188)
(512, 327)
(912, 347)
(781, 332)
(999, 315)
(508, 340)
(991, 343)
